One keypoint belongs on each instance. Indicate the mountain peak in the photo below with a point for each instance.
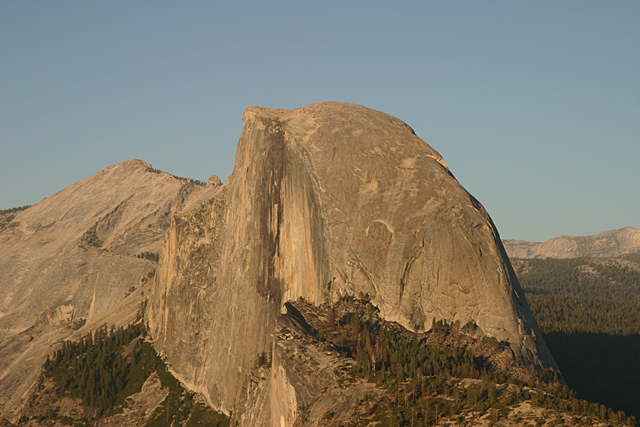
(136, 162)
(129, 165)
(72, 257)
(328, 200)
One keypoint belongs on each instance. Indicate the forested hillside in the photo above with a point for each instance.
(113, 377)
(589, 312)
(451, 375)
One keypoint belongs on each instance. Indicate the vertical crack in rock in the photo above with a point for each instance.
(415, 253)
(269, 211)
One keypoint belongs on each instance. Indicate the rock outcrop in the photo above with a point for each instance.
(612, 243)
(214, 180)
(327, 200)
(71, 259)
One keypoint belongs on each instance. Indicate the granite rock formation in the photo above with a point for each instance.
(75, 260)
(327, 200)
(611, 243)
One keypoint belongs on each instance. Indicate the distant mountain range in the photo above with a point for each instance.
(612, 243)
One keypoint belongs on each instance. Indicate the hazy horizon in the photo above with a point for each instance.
(535, 106)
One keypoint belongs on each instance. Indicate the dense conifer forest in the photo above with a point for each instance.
(589, 312)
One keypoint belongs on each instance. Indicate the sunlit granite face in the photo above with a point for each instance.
(325, 200)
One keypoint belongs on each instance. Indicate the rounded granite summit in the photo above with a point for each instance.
(327, 200)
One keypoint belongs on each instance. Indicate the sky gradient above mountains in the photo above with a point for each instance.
(535, 107)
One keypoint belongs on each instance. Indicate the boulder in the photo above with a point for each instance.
(214, 180)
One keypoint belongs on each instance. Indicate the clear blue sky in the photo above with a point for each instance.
(535, 105)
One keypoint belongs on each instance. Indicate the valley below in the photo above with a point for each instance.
(588, 310)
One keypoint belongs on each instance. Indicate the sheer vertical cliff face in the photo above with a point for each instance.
(325, 200)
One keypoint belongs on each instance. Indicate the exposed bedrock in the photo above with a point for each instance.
(328, 199)
(74, 259)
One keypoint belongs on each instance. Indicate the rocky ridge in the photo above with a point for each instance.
(327, 200)
(78, 259)
(612, 243)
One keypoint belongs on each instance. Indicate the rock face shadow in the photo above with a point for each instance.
(600, 367)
